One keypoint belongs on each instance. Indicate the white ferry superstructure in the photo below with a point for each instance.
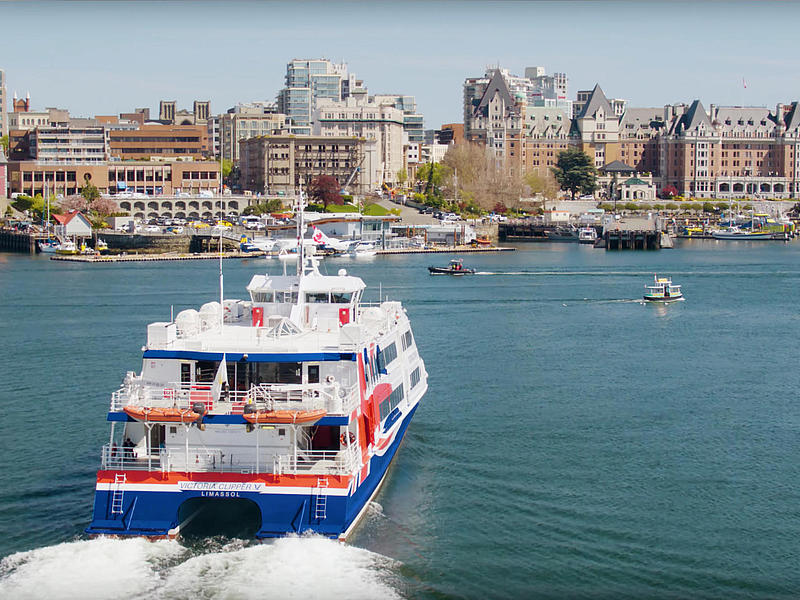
(295, 399)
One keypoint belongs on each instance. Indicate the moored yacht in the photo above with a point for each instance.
(291, 403)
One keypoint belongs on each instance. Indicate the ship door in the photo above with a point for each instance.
(312, 373)
(186, 373)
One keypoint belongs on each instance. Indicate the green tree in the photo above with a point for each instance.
(402, 177)
(433, 174)
(227, 167)
(4, 142)
(575, 171)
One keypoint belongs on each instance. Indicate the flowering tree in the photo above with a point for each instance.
(104, 206)
(669, 191)
(74, 202)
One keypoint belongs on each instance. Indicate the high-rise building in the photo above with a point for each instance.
(308, 81)
(380, 123)
(413, 124)
(245, 121)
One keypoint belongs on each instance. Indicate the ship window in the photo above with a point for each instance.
(313, 373)
(388, 405)
(407, 340)
(286, 296)
(415, 378)
(271, 373)
(205, 370)
(186, 372)
(341, 297)
(386, 356)
(317, 297)
(263, 296)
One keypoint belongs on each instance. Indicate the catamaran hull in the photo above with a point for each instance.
(150, 500)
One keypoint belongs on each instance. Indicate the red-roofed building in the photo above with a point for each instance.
(73, 224)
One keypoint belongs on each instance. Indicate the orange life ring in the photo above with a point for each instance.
(347, 438)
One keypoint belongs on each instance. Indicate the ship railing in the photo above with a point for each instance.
(230, 460)
(342, 462)
(333, 397)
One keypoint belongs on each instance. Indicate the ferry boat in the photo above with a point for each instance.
(292, 403)
(662, 290)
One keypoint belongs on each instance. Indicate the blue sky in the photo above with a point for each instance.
(109, 57)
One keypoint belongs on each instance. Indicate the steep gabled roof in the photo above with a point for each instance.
(793, 117)
(64, 219)
(596, 101)
(693, 118)
(496, 85)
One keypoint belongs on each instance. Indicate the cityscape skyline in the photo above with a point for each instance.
(428, 59)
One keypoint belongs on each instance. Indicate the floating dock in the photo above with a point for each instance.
(109, 258)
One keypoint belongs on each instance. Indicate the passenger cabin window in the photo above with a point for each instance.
(386, 356)
(407, 340)
(415, 377)
(248, 374)
(205, 370)
(388, 405)
(313, 373)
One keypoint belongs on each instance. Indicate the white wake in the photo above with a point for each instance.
(294, 567)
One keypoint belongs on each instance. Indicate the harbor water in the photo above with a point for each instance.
(574, 442)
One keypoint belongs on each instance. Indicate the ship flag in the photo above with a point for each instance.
(220, 379)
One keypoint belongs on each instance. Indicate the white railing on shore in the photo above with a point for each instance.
(202, 459)
(332, 397)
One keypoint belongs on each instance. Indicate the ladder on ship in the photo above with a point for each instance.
(321, 505)
(117, 495)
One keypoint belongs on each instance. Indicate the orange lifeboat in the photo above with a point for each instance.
(284, 416)
(162, 415)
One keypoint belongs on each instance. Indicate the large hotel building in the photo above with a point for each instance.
(722, 152)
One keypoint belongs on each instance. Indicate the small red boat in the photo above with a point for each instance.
(285, 416)
(162, 415)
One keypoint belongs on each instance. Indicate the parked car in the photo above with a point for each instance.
(152, 229)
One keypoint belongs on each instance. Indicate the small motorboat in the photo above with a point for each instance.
(662, 290)
(49, 246)
(454, 268)
(162, 415)
(284, 416)
(67, 248)
(587, 235)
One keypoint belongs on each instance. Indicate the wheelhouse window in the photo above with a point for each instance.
(341, 297)
(262, 296)
(317, 297)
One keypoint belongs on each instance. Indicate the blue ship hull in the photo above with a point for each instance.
(156, 514)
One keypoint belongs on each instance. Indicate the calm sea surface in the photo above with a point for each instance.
(573, 443)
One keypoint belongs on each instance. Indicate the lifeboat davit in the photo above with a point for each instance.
(284, 416)
(162, 415)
